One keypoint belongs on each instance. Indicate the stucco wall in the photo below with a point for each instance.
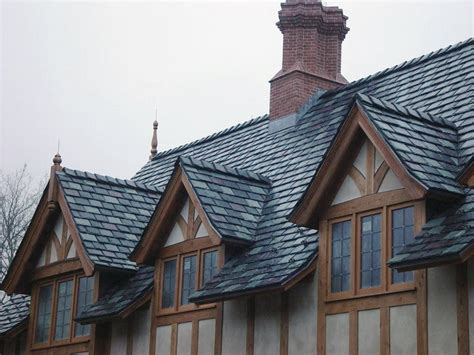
(470, 280)
(403, 330)
(207, 335)
(267, 324)
(141, 332)
(337, 334)
(442, 316)
(184, 338)
(118, 342)
(369, 331)
(163, 340)
(234, 327)
(302, 300)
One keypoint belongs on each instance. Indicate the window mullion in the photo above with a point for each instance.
(354, 254)
(386, 247)
(54, 308)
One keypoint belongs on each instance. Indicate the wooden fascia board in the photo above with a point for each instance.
(86, 263)
(149, 242)
(22, 259)
(215, 236)
(137, 304)
(356, 122)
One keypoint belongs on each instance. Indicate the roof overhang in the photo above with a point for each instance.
(332, 170)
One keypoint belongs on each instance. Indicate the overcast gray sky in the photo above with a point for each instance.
(92, 73)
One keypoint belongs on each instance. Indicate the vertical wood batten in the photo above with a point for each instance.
(284, 326)
(462, 307)
(250, 325)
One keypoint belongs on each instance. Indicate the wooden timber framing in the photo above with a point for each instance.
(334, 168)
(462, 309)
(382, 299)
(250, 326)
(284, 324)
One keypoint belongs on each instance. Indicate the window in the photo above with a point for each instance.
(169, 284)
(189, 278)
(182, 275)
(370, 251)
(210, 266)
(63, 312)
(56, 303)
(341, 257)
(84, 298)
(43, 315)
(402, 233)
(359, 247)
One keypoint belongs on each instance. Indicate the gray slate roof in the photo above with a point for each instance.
(14, 312)
(425, 144)
(440, 84)
(110, 214)
(231, 198)
(119, 297)
(446, 237)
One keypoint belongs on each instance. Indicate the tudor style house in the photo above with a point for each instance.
(340, 223)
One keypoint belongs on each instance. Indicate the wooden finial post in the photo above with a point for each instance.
(154, 139)
(53, 188)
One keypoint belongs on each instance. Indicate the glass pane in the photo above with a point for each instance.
(169, 284)
(84, 299)
(370, 251)
(402, 234)
(210, 266)
(189, 278)
(340, 256)
(63, 312)
(43, 316)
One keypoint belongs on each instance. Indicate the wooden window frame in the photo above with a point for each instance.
(71, 339)
(179, 257)
(386, 286)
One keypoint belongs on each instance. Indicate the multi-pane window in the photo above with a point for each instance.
(169, 284)
(57, 301)
(210, 266)
(85, 298)
(189, 278)
(43, 315)
(359, 246)
(341, 257)
(63, 311)
(370, 251)
(402, 234)
(182, 275)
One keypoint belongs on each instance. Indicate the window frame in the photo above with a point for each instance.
(71, 339)
(355, 216)
(179, 257)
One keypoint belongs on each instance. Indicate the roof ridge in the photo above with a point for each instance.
(406, 111)
(239, 172)
(217, 134)
(110, 180)
(404, 65)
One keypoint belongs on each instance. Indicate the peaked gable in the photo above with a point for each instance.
(204, 199)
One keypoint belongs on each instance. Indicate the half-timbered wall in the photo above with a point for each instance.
(15, 345)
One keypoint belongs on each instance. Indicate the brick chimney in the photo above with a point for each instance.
(312, 38)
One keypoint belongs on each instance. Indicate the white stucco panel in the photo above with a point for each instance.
(207, 335)
(369, 331)
(234, 327)
(267, 325)
(141, 332)
(348, 191)
(302, 316)
(337, 334)
(118, 341)
(184, 338)
(163, 340)
(390, 182)
(403, 330)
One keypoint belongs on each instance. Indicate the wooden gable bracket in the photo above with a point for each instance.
(51, 204)
(336, 165)
(167, 213)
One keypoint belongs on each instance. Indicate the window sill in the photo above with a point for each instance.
(334, 297)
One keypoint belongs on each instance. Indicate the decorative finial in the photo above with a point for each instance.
(57, 159)
(154, 139)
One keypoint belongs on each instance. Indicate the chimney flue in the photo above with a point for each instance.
(312, 38)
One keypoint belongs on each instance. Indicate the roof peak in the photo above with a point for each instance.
(405, 65)
(110, 180)
(405, 111)
(223, 169)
